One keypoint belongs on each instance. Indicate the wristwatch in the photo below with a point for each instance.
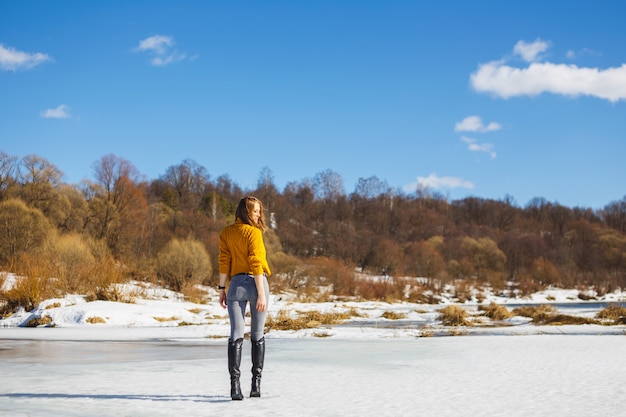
(221, 287)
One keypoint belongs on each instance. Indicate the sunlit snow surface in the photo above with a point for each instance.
(140, 362)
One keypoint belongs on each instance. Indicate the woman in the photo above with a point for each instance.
(242, 262)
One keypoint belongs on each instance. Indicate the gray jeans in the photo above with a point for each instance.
(241, 291)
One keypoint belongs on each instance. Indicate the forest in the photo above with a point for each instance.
(373, 243)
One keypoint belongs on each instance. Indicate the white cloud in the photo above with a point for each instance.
(161, 47)
(505, 81)
(581, 53)
(157, 43)
(169, 59)
(530, 52)
(61, 112)
(475, 124)
(12, 59)
(435, 182)
(473, 146)
(568, 80)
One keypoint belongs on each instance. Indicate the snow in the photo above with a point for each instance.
(160, 355)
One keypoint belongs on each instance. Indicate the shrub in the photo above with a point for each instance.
(22, 229)
(71, 261)
(105, 275)
(31, 286)
(308, 278)
(390, 289)
(327, 271)
(183, 262)
(454, 316)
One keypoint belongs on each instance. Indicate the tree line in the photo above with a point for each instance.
(140, 227)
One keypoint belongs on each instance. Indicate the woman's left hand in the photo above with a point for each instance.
(261, 303)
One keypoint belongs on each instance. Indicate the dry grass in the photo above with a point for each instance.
(536, 313)
(547, 315)
(30, 287)
(454, 316)
(392, 315)
(427, 331)
(496, 312)
(304, 320)
(194, 294)
(164, 319)
(39, 321)
(613, 312)
(562, 319)
(96, 320)
(354, 312)
(390, 290)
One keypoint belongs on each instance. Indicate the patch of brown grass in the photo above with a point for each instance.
(496, 312)
(454, 316)
(562, 319)
(426, 332)
(96, 320)
(613, 312)
(537, 313)
(303, 320)
(39, 321)
(547, 315)
(164, 319)
(354, 312)
(392, 315)
(194, 294)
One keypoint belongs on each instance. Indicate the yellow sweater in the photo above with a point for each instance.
(242, 250)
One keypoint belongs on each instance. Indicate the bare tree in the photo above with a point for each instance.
(614, 214)
(328, 186)
(40, 170)
(188, 180)
(266, 190)
(9, 172)
(371, 187)
(119, 209)
(40, 187)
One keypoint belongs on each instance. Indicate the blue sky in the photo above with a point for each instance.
(466, 98)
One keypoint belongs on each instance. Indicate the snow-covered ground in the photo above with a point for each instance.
(160, 355)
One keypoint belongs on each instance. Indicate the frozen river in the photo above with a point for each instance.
(537, 375)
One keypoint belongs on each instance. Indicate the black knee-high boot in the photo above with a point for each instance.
(258, 357)
(234, 360)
